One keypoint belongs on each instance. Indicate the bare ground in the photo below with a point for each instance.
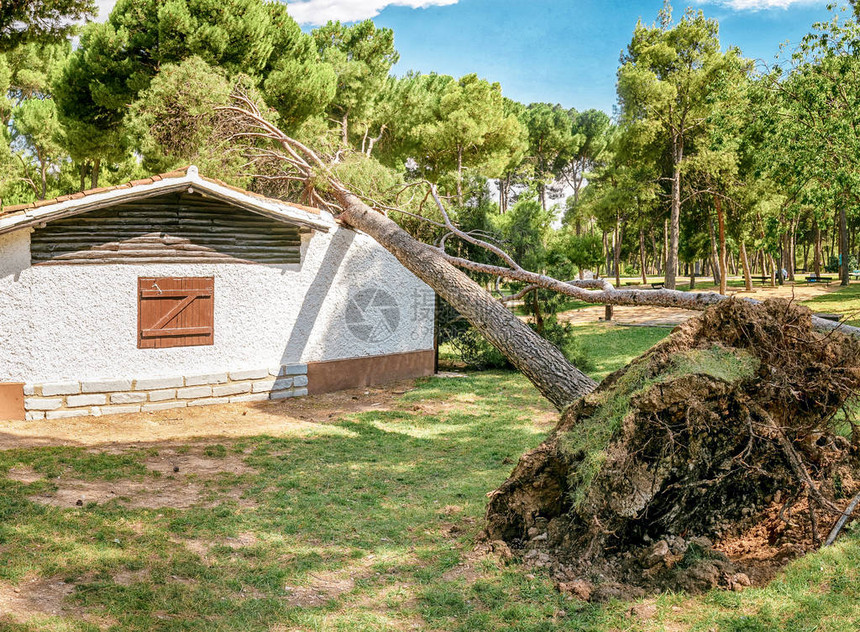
(284, 417)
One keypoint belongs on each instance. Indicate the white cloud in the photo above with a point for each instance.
(759, 5)
(316, 12)
(104, 7)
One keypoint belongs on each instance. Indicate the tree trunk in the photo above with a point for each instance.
(722, 235)
(665, 245)
(642, 255)
(94, 183)
(616, 251)
(541, 362)
(460, 176)
(675, 217)
(745, 264)
(537, 313)
(843, 245)
(83, 175)
(816, 255)
(43, 171)
(792, 249)
(715, 256)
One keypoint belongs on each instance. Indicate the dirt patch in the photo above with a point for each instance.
(323, 588)
(202, 548)
(180, 483)
(281, 418)
(127, 578)
(23, 474)
(34, 598)
(179, 463)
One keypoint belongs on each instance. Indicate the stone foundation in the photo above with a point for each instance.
(60, 400)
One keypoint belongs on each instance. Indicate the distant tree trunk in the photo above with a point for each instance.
(344, 130)
(95, 173)
(722, 235)
(772, 271)
(541, 362)
(665, 246)
(745, 264)
(715, 256)
(792, 249)
(642, 255)
(658, 261)
(537, 313)
(83, 175)
(816, 255)
(843, 245)
(675, 216)
(460, 176)
(43, 172)
(617, 251)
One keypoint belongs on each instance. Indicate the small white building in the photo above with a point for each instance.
(180, 290)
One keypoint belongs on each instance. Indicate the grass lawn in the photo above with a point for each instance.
(363, 522)
(844, 301)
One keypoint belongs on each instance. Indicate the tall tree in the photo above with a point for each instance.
(118, 59)
(551, 143)
(468, 126)
(361, 56)
(593, 128)
(664, 81)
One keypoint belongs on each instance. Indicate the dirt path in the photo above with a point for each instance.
(670, 317)
(289, 416)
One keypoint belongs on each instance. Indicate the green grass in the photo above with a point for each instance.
(385, 504)
(844, 301)
(612, 347)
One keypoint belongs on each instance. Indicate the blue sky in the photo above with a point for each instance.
(559, 51)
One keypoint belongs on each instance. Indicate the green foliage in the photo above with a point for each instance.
(173, 119)
(361, 57)
(26, 21)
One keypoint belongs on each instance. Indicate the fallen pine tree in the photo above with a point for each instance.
(651, 479)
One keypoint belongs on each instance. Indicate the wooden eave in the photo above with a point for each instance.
(191, 181)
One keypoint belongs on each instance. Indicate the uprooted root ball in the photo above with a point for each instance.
(727, 428)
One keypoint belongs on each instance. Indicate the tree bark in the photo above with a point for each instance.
(745, 264)
(816, 255)
(642, 255)
(843, 245)
(721, 222)
(715, 257)
(542, 363)
(460, 176)
(616, 251)
(675, 217)
(94, 183)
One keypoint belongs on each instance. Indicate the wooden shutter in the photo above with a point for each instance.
(175, 312)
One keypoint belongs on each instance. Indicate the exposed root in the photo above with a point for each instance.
(727, 424)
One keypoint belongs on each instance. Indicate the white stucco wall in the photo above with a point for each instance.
(62, 322)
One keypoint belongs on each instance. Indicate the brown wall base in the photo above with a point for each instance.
(337, 375)
(11, 402)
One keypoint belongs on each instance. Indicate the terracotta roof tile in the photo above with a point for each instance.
(177, 173)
